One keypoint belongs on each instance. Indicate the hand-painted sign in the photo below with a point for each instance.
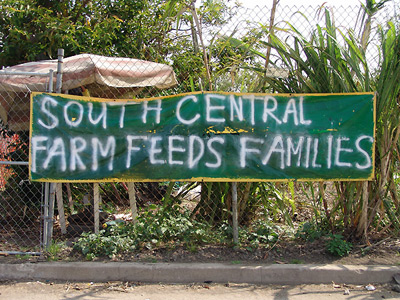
(209, 136)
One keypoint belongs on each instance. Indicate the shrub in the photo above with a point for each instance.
(337, 246)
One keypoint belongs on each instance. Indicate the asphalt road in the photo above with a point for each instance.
(135, 291)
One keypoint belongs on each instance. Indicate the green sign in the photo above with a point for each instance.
(210, 136)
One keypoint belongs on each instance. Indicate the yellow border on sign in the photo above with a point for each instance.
(203, 179)
(373, 144)
(30, 135)
(89, 98)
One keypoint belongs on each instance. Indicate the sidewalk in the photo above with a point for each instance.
(198, 272)
(38, 290)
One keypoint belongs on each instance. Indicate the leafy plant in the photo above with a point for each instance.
(296, 261)
(23, 257)
(53, 251)
(337, 246)
(260, 234)
(332, 60)
(154, 227)
(310, 232)
(169, 226)
(109, 242)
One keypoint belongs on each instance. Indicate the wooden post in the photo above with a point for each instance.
(132, 200)
(96, 207)
(270, 31)
(362, 229)
(235, 223)
(70, 201)
(60, 207)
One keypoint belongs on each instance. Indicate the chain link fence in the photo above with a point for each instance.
(26, 219)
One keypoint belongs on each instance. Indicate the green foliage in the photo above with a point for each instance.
(260, 234)
(296, 261)
(158, 30)
(53, 252)
(168, 226)
(35, 29)
(329, 60)
(153, 228)
(310, 232)
(23, 257)
(109, 242)
(337, 246)
(333, 60)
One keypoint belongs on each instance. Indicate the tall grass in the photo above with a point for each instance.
(321, 64)
(333, 61)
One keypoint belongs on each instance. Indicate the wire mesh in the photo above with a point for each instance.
(234, 69)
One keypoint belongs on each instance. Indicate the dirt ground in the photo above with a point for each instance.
(380, 252)
(288, 252)
(135, 291)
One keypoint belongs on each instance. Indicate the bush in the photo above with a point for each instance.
(260, 234)
(153, 228)
(166, 226)
(310, 232)
(337, 246)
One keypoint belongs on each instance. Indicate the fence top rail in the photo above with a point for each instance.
(18, 163)
(5, 72)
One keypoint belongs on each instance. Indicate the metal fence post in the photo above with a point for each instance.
(45, 210)
(45, 214)
(52, 198)
(96, 207)
(50, 187)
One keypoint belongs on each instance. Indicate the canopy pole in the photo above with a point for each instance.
(59, 70)
(51, 76)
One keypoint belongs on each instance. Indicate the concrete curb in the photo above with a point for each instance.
(198, 272)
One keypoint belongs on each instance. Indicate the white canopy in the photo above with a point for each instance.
(107, 77)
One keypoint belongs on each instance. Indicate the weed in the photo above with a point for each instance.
(154, 228)
(260, 234)
(192, 247)
(165, 227)
(54, 250)
(151, 260)
(309, 231)
(23, 257)
(296, 261)
(337, 246)
(364, 251)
